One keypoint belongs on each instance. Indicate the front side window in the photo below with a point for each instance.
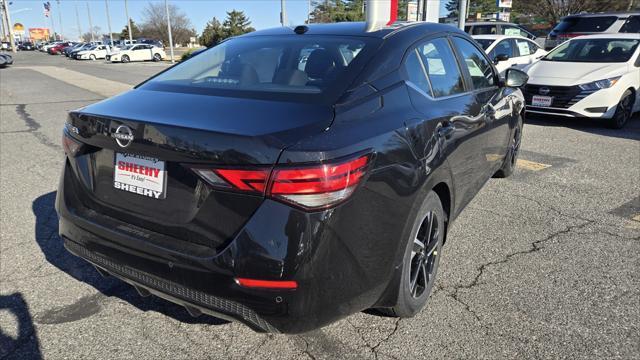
(479, 68)
(442, 68)
(309, 64)
(594, 50)
(485, 43)
(523, 47)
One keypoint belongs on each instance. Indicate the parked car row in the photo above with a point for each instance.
(139, 51)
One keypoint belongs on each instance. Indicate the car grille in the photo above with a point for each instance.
(232, 308)
(563, 96)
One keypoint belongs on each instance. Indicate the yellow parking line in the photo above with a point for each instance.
(636, 218)
(531, 165)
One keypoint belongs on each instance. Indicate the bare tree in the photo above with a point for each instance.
(553, 10)
(154, 24)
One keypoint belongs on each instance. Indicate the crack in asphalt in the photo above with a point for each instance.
(535, 247)
(34, 126)
(374, 349)
(306, 349)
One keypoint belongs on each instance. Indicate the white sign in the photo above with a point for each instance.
(505, 3)
(140, 175)
(412, 11)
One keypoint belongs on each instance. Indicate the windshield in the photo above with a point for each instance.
(307, 65)
(128, 47)
(585, 24)
(594, 50)
(485, 43)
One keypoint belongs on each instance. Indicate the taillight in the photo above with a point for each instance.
(70, 145)
(318, 186)
(310, 187)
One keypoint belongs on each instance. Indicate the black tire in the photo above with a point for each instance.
(125, 58)
(420, 264)
(157, 57)
(624, 110)
(509, 165)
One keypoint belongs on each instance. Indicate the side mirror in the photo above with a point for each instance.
(515, 78)
(501, 57)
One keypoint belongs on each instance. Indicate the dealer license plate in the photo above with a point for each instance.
(541, 101)
(140, 175)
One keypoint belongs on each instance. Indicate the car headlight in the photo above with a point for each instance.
(600, 84)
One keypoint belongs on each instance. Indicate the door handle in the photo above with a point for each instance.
(446, 130)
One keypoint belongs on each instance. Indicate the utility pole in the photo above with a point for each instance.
(106, 4)
(78, 23)
(462, 14)
(7, 17)
(4, 34)
(166, 6)
(60, 20)
(283, 13)
(126, 11)
(90, 23)
(309, 11)
(53, 29)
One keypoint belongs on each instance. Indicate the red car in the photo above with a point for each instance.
(56, 50)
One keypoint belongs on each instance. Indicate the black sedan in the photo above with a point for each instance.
(291, 177)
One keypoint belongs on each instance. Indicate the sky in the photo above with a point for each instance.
(262, 13)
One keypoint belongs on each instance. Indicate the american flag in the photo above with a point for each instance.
(47, 8)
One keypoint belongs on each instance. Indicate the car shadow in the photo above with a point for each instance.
(630, 131)
(46, 229)
(21, 341)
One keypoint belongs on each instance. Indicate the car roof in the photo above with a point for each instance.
(489, 23)
(613, 13)
(498, 37)
(357, 29)
(610, 36)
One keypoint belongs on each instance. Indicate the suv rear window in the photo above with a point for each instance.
(585, 24)
(263, 65)
(632, 25)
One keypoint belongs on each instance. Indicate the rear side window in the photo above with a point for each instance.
(504, 47)
(485, 30)
(632, 25)
(416, 72)
(479, 68)
(585, 24)
(442, 67)
(514, 31)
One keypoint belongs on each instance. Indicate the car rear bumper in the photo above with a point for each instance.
(336, 272)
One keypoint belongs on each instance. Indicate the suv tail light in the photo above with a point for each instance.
(310, 187)
(70, 145)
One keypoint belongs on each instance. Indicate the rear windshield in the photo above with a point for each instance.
(594, 50)
(632, 25)
(307, 65)
(485, 43)
(585, 24)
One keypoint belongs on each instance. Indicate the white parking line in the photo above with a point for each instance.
(104, 87)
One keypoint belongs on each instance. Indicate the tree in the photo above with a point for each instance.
(475, 6)
(325, 11)
(212, 34)
(552, 10)
(135, 31)
(236, 23)
(154, 25)
(96, 30)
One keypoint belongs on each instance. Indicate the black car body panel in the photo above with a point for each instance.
(192, 246)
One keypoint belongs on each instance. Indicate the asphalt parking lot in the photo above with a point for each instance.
(545, 264)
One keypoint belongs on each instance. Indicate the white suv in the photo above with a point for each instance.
(587, 24)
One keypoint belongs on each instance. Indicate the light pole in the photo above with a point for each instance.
(126, 11)
(60, 20)
(7, 16)
(462, 14)
(106, 4)
(283, 13)
(78, 23)
(90, 23)
(166, 6)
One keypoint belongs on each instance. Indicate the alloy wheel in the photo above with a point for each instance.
(424, 255)
(624, 112)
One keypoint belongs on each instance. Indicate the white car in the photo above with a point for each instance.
(510, 51)
(45, 48)
(137, 52)
(94, 52)
(594, 76)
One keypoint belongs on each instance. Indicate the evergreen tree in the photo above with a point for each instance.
(135, 31)
(212, 34)
(236, 23)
